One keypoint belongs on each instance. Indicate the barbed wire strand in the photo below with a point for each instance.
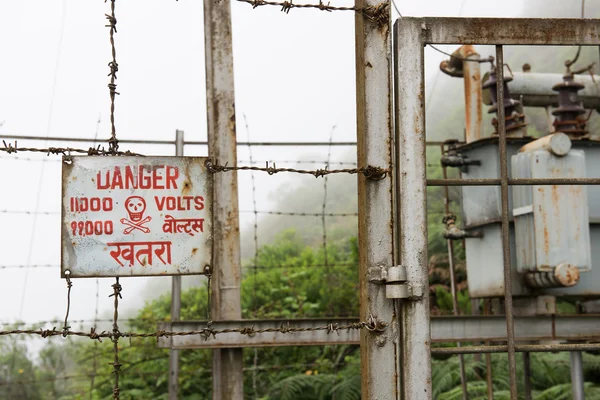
(256, 162)
(99, 150)
(95, 349)
(138, 319)
(255, 270)
(113, 142)
(116, 334)
(66, 326)
(378, 13)
(301, 214)
(284, 213)
(372, 324)
(324, 208)
(370, 172)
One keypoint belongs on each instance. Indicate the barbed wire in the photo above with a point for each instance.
(283, 213)
(22, 266)
(255, 269)
(372, 324)
(113, 142)
(29, 159)
(371, 172)
(92, 375)
(29, 212)
(300, 214)
(379, 13)
(116, 334)
(99, 150)
(255, 162)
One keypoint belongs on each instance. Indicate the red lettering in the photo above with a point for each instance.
(145, 181)
(95, 204)
(130, 179)
(107, 204)
(172, 175)
(180, 206)
(171, 203)
(199, 200)
(99, 184)
(117, 181)
(159, 203)
(157, 177)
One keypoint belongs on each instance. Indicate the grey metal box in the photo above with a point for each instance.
(482, 210)
(551, 222)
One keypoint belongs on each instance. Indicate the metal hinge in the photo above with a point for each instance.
(396, 285)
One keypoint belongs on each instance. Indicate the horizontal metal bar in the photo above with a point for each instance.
(513, 182)
(481, 328)
(509, 31)
(443, 329)
(85, 140)
(268, 339)
(187, 143)
(527, 348)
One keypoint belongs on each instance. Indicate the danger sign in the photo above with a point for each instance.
(136, 216)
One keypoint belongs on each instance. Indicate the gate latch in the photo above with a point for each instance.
(396, 285)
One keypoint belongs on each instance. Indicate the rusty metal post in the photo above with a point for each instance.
(473, 94)
(379, 351)
(453, 289)
(222, 147)
(412, 207)
(508, 300)
(175, 302)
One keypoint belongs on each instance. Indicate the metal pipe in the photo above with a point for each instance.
(577, 375)
(473, 92)
(510, 327)
(488, 357)
(227, 364)
(412, 206)
(535, 89)
(531, 348)
(527, 374)
(513, 182)
(450, 244)
(175, 302)
(378, 351)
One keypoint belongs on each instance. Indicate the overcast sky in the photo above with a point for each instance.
(294, 80)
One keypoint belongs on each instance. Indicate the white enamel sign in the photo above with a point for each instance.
(136, 216)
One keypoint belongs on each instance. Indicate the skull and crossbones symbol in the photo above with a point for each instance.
(135, 206)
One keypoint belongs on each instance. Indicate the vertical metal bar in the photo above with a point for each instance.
(412, 207)
(488, 357)
(577, 375)
(508, 300)
(226, 268)
(175, 302)
(473, 94)
(461, 357)
(379, 351)
(527, 375)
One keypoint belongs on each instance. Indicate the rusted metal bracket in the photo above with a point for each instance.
(395, 281)
(457, 160)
